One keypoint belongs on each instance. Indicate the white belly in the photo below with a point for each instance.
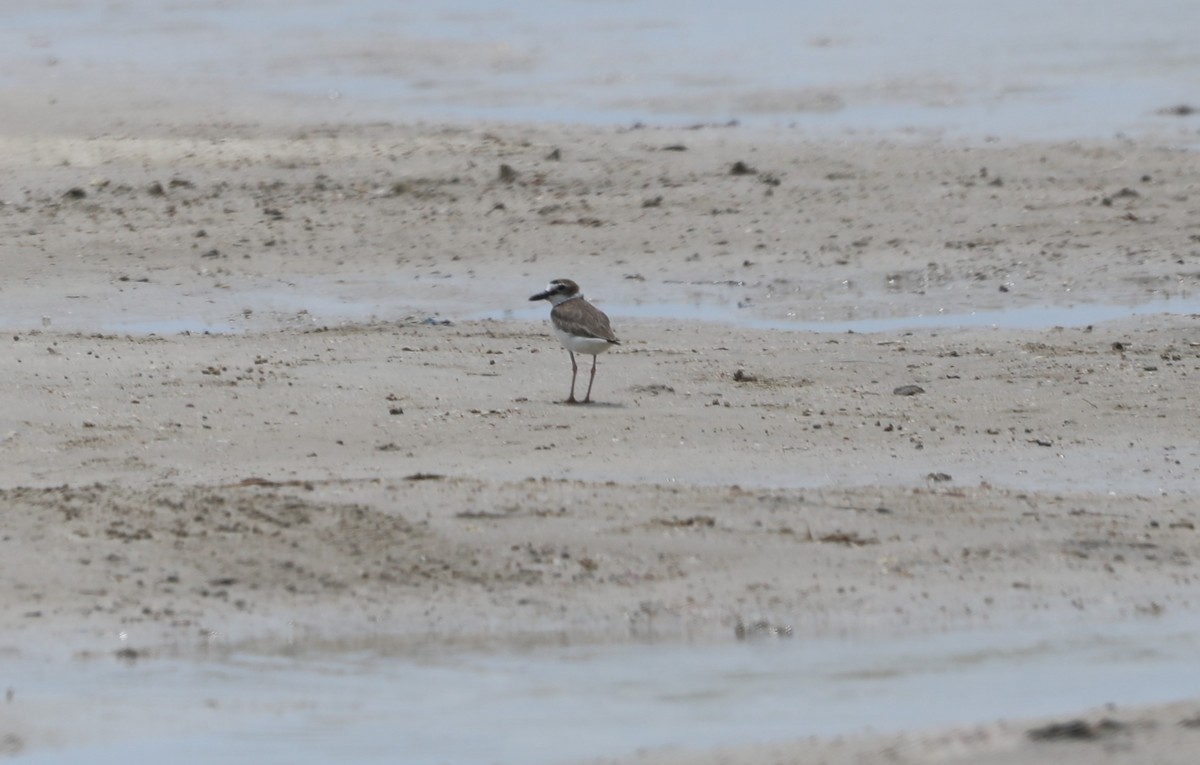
(588, 345)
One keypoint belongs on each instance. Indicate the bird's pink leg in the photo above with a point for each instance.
(588, 398)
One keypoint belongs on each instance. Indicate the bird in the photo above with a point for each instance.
(581, 327)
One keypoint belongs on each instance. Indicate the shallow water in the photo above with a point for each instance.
(1020, 69)
(1020, 317)
(324, 301)
(1024, 317)
(374, 703)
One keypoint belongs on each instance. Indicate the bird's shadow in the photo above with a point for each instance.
(593, 404)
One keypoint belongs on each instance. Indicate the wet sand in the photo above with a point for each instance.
(355, 450)
(1164, 734)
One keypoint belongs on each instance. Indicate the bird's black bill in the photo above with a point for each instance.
(540, 296)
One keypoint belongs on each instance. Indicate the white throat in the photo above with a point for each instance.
(558, 299)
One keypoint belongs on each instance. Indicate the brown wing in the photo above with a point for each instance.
(581, 318)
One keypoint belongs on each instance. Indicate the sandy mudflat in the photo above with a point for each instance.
(333, 461)
(1165, 734)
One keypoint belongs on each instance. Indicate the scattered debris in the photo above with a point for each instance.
(1179, 110)
(481, 515)
(761, 628)
(127, 654)
(507, 174)
(850, 539)
(908, 390)
(1076, 730)
(695, 521)
(584, 221)
(302, 483)
(256, 481)
(741, 168)
(653, 389)
(424, 477)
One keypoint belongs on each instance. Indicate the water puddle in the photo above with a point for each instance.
(328, 300)
(825, 67)
(315, 307)
(1024, 317)
(560, 704)
(315, 301)
(145, 326)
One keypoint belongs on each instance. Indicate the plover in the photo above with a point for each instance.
(581, 327)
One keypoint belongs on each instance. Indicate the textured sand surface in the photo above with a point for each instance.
(333, 462)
